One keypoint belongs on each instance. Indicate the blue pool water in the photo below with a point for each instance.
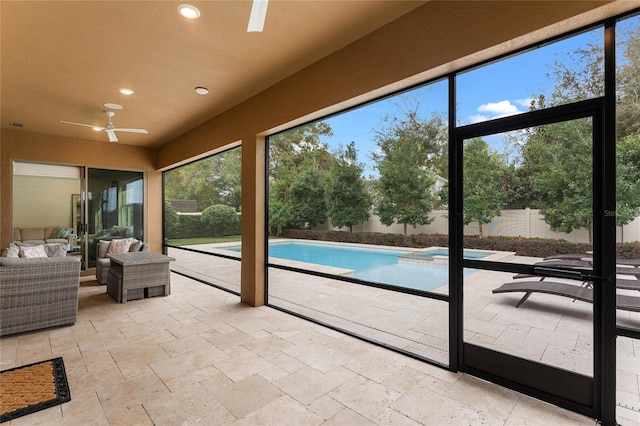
(332, 255)
(368, 264)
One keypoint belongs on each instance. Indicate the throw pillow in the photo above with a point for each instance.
(13, 251)
(55, 250)
(32, 251)
(136, 246)
(62, 232)
(119, 246)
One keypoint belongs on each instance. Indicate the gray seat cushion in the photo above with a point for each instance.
(105, 262)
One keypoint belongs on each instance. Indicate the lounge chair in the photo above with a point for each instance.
(585, 294)
(577, 264)
(589, 258)
(621, 283)
(628, 284)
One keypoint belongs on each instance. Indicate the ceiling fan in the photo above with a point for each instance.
(258, 15)
(109, 127)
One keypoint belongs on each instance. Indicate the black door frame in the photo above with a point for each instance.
(563, 388)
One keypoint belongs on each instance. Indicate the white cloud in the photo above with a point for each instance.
(496, 110)
(499, 109)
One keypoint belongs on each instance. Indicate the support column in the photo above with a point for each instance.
(252, 279)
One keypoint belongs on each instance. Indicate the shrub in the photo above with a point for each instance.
(190, 227)
(220, 220)
(171, 221)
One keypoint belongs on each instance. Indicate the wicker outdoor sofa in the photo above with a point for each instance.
(38, 293)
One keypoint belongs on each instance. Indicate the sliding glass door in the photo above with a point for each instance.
(113, 208)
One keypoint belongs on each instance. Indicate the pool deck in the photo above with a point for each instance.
(546, 328)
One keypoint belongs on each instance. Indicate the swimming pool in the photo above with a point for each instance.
(443, 252)
(370, 264)
(359, 259)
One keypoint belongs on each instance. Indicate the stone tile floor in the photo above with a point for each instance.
(199, 356)
(549, 329)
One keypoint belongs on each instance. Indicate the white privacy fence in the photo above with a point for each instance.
(526, 223)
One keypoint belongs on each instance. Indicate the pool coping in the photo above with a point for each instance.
(219, 248)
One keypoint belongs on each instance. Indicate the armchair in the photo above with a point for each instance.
(38, 293)
(103, 262)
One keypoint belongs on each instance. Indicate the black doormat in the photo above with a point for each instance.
(32, 388)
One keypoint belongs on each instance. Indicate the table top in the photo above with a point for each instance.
(139, 257)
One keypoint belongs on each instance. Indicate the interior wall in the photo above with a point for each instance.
(43, 201)
(20, 145)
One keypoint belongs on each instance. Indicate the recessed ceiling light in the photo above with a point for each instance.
(126, 91)
(202, 90)
(110, 105)
(189, 11)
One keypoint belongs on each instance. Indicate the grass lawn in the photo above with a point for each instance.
(203, 240)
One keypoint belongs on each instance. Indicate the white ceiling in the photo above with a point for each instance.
(62, 60)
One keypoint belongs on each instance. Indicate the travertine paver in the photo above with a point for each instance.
(278, 369)
(546, 328)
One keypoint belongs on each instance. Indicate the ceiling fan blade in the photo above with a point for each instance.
(258, 15)
(81, 124)
(112, 135)
(131, 130)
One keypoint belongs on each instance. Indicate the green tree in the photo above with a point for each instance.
(628, 82)
(297, 163)
(347, 198)
(289, 150)
(226, 178)
(306, 206)
(484, 196)
(279, 217)
(628, 126)
(430, 136)
(405, 194)
(556, 167)
(628, 179)
(212, 180)
(558, 157)
(410, 152)
(579, 75)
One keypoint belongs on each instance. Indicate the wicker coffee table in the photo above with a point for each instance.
(138, 275)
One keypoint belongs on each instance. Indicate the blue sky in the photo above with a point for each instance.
(496, 90)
